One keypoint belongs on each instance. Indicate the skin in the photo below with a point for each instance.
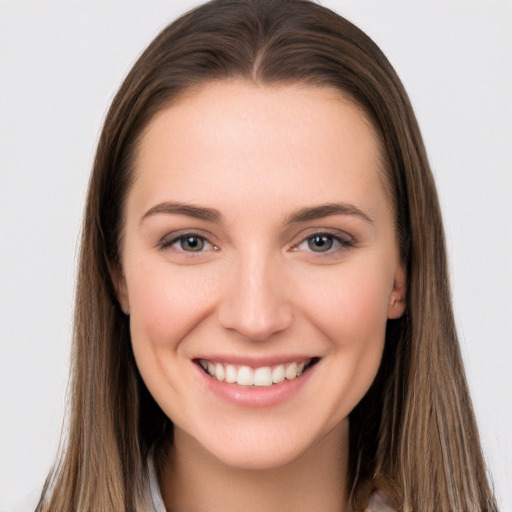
(257, 155)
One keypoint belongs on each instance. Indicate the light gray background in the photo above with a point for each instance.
(60, 63)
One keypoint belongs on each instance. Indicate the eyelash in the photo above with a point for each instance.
(182, 237)
(337, 243)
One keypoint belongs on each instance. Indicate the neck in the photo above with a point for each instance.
(195, 481)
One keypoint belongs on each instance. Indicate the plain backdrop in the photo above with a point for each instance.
(60, 64)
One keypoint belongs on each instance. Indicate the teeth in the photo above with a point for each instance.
(291, 371)
(263, 376)
(230, 374)
(219, 371)
(278, 374)
(246, 376)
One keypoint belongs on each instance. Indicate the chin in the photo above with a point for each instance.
(258, 458)
(264, 447)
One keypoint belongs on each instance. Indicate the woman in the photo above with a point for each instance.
(263, 315)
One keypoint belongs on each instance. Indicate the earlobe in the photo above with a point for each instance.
(396, 307)
(119, 282)
(125, 307)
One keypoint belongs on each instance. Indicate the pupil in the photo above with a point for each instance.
(192, 243)
(320, 243)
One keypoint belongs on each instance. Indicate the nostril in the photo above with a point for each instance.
(254, 304)
(252, 322)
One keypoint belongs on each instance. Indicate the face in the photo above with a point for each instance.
(259, 267)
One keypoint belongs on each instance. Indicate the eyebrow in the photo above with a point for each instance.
(189, 210)
(303, 215)
(327, 210)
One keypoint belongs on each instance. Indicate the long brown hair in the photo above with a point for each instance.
(414, 434)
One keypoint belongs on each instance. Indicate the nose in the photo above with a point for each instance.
(254, 302)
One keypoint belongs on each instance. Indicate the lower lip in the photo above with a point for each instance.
(256, 396)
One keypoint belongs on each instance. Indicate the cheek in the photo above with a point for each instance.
(350, 306)
(351, 314)
(165, 304)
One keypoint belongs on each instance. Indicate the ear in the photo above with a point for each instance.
(120, 288)
(396, 307)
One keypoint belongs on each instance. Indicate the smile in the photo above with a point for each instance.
(263, 376)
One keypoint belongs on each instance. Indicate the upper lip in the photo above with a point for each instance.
(255, 362)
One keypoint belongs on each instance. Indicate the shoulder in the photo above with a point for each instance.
(379, 503)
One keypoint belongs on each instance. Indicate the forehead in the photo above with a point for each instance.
(294, 139)
(232, 101)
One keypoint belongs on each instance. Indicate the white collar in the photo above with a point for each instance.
(158, 502)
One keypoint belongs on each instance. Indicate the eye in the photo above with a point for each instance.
(191, 243)
(324, 243)
(320, 243)
(187, 242)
